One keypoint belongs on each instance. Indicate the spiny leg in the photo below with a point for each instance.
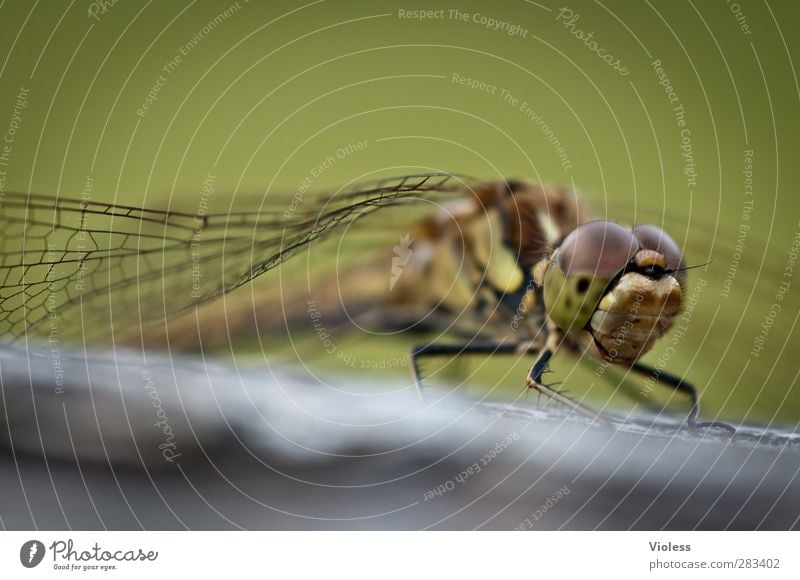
(533, 381)
(433, 349)
(680, 385)
(534, 375)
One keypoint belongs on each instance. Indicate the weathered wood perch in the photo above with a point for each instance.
(98, 441)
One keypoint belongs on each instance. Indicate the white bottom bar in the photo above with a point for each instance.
(402, 555)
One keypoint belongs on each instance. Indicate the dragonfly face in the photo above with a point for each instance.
(613, 290)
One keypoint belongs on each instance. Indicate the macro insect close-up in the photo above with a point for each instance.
(518, 263)
(370, 266)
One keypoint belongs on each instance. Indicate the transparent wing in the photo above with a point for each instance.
(71, 268)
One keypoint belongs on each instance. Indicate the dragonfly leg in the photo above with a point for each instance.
(533, 381)
(433, 349)
(680, 385)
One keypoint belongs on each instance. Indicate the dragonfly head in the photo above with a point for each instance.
(615, 289)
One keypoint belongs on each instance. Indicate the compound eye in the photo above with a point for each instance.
(654, 238)
(598, 248)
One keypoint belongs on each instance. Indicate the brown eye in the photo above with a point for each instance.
(601, 248)
(656, 239)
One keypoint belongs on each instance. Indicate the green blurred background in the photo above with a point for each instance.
(264, 92)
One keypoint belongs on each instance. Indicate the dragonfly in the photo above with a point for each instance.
(515, 268)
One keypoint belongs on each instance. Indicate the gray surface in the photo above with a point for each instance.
(260, 450)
